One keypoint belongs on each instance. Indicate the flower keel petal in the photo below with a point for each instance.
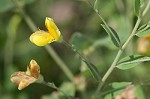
(41, 38)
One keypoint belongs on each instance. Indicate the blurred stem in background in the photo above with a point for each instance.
(11, 35)
(11, 31)
(49, 49)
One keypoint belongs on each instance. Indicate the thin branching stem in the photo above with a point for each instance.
(118, 56)
(112, 67)
(114, 63)
(75, 50)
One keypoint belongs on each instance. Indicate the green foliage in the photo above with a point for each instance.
(143, 32)
(131, 61)
(91, 41)
(113, 35)
(118, 88)
(94, 70)
(139, 92)
(6, 5)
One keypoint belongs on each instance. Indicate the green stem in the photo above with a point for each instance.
(112, 67)
(75, 50)
(99, 15)
(118, 55)
(60, 63)
(52, 85)
(50, 50)
(146, 9)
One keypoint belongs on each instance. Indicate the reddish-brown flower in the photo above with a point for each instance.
(23, 79)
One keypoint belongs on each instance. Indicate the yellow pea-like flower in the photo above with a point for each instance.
(52, 28)
(41, 38)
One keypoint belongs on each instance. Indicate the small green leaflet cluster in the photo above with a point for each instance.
(144, 30)
(131, 61)
(119, 87)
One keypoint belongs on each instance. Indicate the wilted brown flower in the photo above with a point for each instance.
(144, 45)
(128, 93)
(80, 82)
(23, 79)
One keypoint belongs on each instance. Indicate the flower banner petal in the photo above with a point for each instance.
(52, 28)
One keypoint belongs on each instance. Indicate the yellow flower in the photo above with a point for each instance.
(52, 28)
(41, 38)
(23, 79)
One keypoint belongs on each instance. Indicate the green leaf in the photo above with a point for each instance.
(142, 27)
(113, 35)
(96, 5)
(93, 69)
(137, 7)
(139, 92)
(143, 33)
(131, 61)
(117, 88)
(120, 84)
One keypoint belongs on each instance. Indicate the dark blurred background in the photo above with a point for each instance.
(80, 26)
